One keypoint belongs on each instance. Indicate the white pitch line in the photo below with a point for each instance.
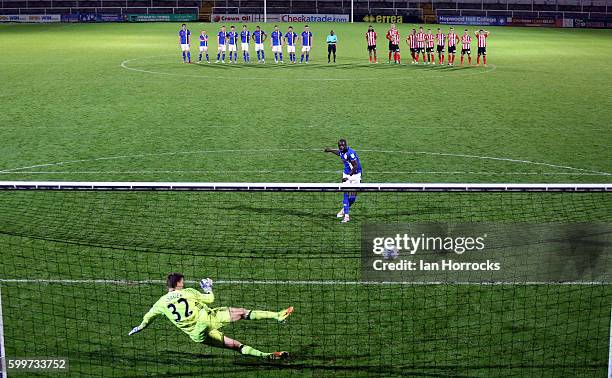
(267, 150)
(38, 63)
(293, 282)
(124, 65)
(119, 157)
(2, 350)
(510, 160)
(309, 172)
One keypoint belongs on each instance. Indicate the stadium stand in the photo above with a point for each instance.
(99, 6)
(592, 9)
(596, 9)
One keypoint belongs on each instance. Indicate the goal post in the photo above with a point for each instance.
(610, 348)
(82, 262)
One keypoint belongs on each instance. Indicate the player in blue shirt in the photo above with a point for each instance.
(350, 175)
(245, 37)
(290, 39)
(259, 36)
(277, 44)
(203, 45)
(232, 43)
(306, 43)
(221, 42)
(184, 38)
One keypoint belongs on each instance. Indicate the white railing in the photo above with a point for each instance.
(122, 10)
(82, 4)
(518, 13)
(263, 186)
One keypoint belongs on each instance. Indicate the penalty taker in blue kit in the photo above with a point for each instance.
(351, 175)
(188, 310)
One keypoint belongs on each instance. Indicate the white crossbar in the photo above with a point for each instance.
(273, 186)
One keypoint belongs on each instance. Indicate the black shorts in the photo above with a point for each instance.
(452, 49)
(440, 49)
(393, 47)
(466, 51)
(482, 51)
(372, 48)
(331, 48)
(429, 49)
(420, 50)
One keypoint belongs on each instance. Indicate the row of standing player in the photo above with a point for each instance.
(228, 42)
(423, 43)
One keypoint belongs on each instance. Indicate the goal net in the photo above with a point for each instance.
(82, 262)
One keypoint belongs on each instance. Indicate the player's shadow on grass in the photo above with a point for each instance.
(341, 364)
(305, 361)
(270, 211)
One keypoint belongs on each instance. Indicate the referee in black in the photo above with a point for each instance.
(331, 46)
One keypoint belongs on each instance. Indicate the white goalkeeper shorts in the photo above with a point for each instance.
(305, 48)
(184, 47)
(232, 48)
(277, 49)
(203, 48)
(245, 47)
(352, 179)
(222, 48)
(290, 49)
(259, 47)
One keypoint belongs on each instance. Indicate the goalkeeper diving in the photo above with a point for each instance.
(188, 310)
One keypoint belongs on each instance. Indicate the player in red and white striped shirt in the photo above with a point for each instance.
(420, 36)
(440, 38)
(453, 39)
(429, 39)
(466, 47)
(370, 36)
(411, 41)
(482, 36)
(393, 36)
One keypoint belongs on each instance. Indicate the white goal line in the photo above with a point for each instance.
(292, 282)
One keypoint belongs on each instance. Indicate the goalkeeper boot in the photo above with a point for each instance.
(284, 314)
(340, 213)
(346, 219)
(278, 356)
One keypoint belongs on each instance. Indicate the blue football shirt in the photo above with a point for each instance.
(232, 37)
(290, 37)
(350, 156)
(306, 38)
(258, 36)
(277, 38)
(245, 36)
(221, 38)
(184, 35)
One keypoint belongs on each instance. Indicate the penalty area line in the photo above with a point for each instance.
(292, 282)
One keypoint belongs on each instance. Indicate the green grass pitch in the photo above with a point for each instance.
(113, 102)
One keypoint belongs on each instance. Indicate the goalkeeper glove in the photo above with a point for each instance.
(134, 330)
(206, 285)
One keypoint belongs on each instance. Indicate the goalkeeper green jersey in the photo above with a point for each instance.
(187, 309)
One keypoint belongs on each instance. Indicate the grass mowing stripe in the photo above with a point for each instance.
(297, 282)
